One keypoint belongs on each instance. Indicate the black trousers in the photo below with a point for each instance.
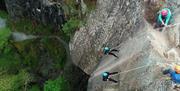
(110, 79)
(113, 73)
(114, 50)
(111, 52)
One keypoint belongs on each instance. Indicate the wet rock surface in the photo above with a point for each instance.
(144, 51)
(118, 24)
(112, 23)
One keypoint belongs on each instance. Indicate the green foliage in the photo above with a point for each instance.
(10, 62)
(15, 56)
(4, 35)
(70, 8)
(56, 51)
(16, 82)
(8, 58)
(59, 84)
(71, 25)
(29, 27)
(34, 88)
(28, 51)
(3, 14)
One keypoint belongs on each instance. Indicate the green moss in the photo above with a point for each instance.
(34, 88)
(16, 82)
(56, 51)
(8, 58)
(71, 25)
(4, 35)
(59, 84)
(30, 27)
(10, 62)
(29, 52)
(3, 14)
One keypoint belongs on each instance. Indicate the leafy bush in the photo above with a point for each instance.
(56, 51)
(14, 82)
(71, 25)
(59, 84)
(29, 27)
(3, 14)
(8, 58)
(34, 88)
(4, 35)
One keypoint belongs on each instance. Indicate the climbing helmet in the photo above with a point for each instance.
(164, 12)
(177, 69)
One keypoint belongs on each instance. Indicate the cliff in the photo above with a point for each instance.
(143, 51)
(110, 24)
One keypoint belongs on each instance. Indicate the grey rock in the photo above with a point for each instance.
(112, 23)
(39, 10)
(144, 51)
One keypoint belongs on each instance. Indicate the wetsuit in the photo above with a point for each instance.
(106, 77)
(107, 51)
(165, 19)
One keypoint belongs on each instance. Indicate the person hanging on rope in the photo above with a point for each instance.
(174, 75)
(106, 76)
(164, 17)
(109, 51)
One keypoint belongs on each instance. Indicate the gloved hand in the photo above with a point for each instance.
(163, 23)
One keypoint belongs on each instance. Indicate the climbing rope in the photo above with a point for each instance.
(133, 69)
(158, 63)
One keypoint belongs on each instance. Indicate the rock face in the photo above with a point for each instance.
(140, 64)
(40, 10)
(3, 6)
(144, 51)
(113, 22)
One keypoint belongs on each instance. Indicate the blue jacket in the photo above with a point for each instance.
(174, 76)
(105, 76)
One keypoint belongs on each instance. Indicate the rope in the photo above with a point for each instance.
(133, 69)
(141, 68)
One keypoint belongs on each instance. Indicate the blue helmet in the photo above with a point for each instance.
(106, 48)
(105, 74)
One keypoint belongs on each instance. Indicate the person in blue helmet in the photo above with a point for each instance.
(109, 51)
(106, 76)
(164, 17)
(174, 75)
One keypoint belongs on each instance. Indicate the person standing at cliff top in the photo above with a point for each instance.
(164, 17)
(109, 51)
(106, 76)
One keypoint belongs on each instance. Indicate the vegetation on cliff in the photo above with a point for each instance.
(37, 64)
